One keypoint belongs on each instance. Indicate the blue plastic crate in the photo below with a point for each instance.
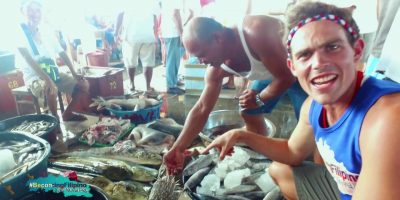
(138, 117)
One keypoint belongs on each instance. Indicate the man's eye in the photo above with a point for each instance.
(332, 47)
(304, 55)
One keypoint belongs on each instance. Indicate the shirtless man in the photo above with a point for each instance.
(351, 118)
(254, 50)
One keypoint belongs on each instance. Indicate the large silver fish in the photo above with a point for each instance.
(138, 156)
(123, 104)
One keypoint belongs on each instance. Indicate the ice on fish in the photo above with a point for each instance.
(234, 178)
(221, 170)
(211, 182)
(7, 161)
(265, 182)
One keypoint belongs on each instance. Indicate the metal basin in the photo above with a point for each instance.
(220, 121)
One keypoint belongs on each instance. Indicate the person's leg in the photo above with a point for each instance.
(230, 84)
(79, 91)
(174, 53)
(297, 97)
(130, 54)
(283, 176)
(37, 88)
(308, 181)
(171, 64)
(147, 56)
(255, 123)
(254, 118)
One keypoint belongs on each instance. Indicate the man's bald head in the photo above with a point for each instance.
(201, 29)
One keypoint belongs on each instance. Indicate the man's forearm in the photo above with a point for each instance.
(193, 125)
(275, 89)
(68, 62)
(276, 149)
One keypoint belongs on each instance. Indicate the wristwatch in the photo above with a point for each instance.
(259, 102)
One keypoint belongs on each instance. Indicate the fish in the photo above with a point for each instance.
(150, 137)
(143, 174)
(240, 189)
(255, 195)
(201, 162)
(122, 190)
(196, 178)
(128, 190)
(166, 125)
(164, 188)
(133, 155)
(133, 104)
(111, 169)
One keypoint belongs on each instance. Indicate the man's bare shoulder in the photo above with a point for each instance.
(262, 24)
(382, 118)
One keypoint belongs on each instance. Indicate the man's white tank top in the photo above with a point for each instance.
(257, 68)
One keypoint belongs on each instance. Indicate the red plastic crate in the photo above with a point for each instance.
(9, 81)
(105, 81)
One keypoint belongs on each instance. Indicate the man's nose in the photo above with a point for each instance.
(318, 59)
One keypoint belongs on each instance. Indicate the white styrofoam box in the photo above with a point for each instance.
(194, 76)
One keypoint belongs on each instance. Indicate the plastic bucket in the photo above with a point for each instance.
(15, 187)
(138, 117)
(50, 135)
(98, 58)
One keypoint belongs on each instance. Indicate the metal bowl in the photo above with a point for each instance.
(220, 121)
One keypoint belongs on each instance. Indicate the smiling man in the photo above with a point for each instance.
(254, 50)
(351, 119)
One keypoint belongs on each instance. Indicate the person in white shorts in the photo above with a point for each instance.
(136, 27)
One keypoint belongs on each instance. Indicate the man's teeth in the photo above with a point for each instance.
(324, 79)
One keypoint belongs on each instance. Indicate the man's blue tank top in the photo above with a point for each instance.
(339, 143)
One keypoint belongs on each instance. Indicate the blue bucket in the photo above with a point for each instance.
(50, 135)
(138, 117)
(15, 187)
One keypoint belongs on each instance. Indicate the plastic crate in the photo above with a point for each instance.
(15, 187)
(105, 81)
(138, 117)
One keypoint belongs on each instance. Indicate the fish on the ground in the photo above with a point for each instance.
(166, 125)
(133, 155)
(133, 104)
(148, 136)
(113, 169)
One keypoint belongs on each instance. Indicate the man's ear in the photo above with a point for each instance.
(290, 66)
(358, 47)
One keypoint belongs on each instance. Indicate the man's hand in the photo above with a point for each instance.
(224, 143)
(173, 160)
(248, 99)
